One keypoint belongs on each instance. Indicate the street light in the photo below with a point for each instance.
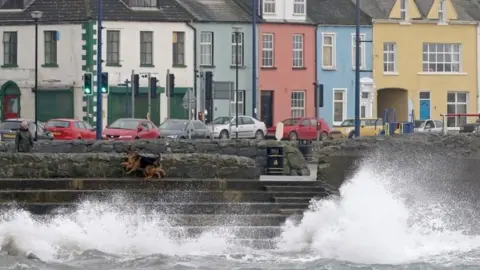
(237, 31)
(36, 16)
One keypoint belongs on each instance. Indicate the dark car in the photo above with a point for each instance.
(184, 129)
(9, 128)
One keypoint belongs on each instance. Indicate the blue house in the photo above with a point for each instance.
(335, 42)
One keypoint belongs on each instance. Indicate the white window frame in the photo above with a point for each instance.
(441, 11)
(269, 6)
(241, 103)
(333, 36)
(389, 49)
(404, 10)
(344, 104)
(363, 36)
(268, 50)
(299, 7)
(456, 103)
(206, 48)
(297, 103)
(440, 52)
(298, 53)
(240, 49)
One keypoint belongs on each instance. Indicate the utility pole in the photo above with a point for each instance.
(99, 70)
(167, 93)
(133, 95)
(149, 94)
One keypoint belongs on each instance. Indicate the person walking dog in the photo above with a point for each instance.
(24, 139)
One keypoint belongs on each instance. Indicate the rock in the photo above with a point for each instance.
(254, 149)
(107, 165)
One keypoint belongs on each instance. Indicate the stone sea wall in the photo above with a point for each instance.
(254, 149)
(107, 165)
(455, 156)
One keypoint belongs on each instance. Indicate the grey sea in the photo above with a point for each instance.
(378, 222)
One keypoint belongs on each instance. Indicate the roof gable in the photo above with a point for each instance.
(411, 7)
(449, 9)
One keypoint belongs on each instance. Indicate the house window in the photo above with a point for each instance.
(298, 7)
(10, 48)
(146, 48)
(441, 57)
(267, 50)
(50, 39)
(362, 50)
(297, 103)
(298, 50)
(363, 104)
(178, 44)
(206, 49)
(237, 40)
(457, 102)
(143, 3)
(269, 6)
(389, 57)
(328, 51)
(113, 47)
(403, 10)
(241, 103)
(339, 106)
(441, 11)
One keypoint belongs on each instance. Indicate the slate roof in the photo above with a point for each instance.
(335, 12)
(58, 11)
(216, 10)
(467, 10)
(247, 5)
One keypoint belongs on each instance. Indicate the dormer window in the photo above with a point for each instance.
(143, 3)
(298, 7)
(269, 6)
(403, 10)
(441, 11)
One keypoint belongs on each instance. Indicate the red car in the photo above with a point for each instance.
(131, 129)
(302, 128)
(70, 129)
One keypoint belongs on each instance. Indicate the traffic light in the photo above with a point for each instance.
(171, 83)
(153, 87)
(88, 84)
(136, 84)
(104, 87)
(208, 85)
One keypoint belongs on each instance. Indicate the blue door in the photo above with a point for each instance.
(424, 109)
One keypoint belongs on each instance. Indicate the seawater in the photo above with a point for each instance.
(380, 221)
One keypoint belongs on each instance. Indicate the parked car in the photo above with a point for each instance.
(434, 126)
(368, 127)
(302, 128)
(248, 127)
(131, 129)
(70, 129)
(9, 128)
(184, 129)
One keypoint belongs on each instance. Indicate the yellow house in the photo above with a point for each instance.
(425, 55)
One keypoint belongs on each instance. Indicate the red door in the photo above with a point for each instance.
(11, 107)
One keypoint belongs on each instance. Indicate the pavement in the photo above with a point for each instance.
(309, 178)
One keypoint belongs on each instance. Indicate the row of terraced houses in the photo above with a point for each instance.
(417, 56)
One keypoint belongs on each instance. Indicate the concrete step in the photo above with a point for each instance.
(169, 208)
(320, 191)
(249, 232)
(139, 183)
(32, 196)
(293, 199)
(258, 244)
(292, 211)
(228, 220)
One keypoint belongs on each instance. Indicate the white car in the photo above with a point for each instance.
(248, 128)
(429, 125)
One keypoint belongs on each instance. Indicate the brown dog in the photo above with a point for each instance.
(154, 170)
(133, 163)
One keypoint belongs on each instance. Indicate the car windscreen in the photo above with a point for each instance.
(221, 120)
(57, 124)
(10, 125)
(348, 123)
(290, 122)
(418, 124)
(174, 125)
(125, 124)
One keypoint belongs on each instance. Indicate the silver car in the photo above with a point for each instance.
(248, 128)
(433, 126)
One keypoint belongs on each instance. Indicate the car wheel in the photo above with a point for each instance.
(323, 136)
(137, 138)
(259, 135)
(223, 135)
(293, 136)
(79, 138)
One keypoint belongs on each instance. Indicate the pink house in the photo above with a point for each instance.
(286, 54)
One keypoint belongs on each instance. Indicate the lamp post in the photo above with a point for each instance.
(357, 68)
(236, 30)
(36, 16)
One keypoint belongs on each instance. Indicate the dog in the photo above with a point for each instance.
(150, 168)
(133, 162)
(154, 170)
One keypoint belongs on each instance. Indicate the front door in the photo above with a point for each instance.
(424, 105)
(266, 103)
(11, 106)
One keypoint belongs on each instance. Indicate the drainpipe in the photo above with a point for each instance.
(315, 83)
(478, 68)
(195, 70)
